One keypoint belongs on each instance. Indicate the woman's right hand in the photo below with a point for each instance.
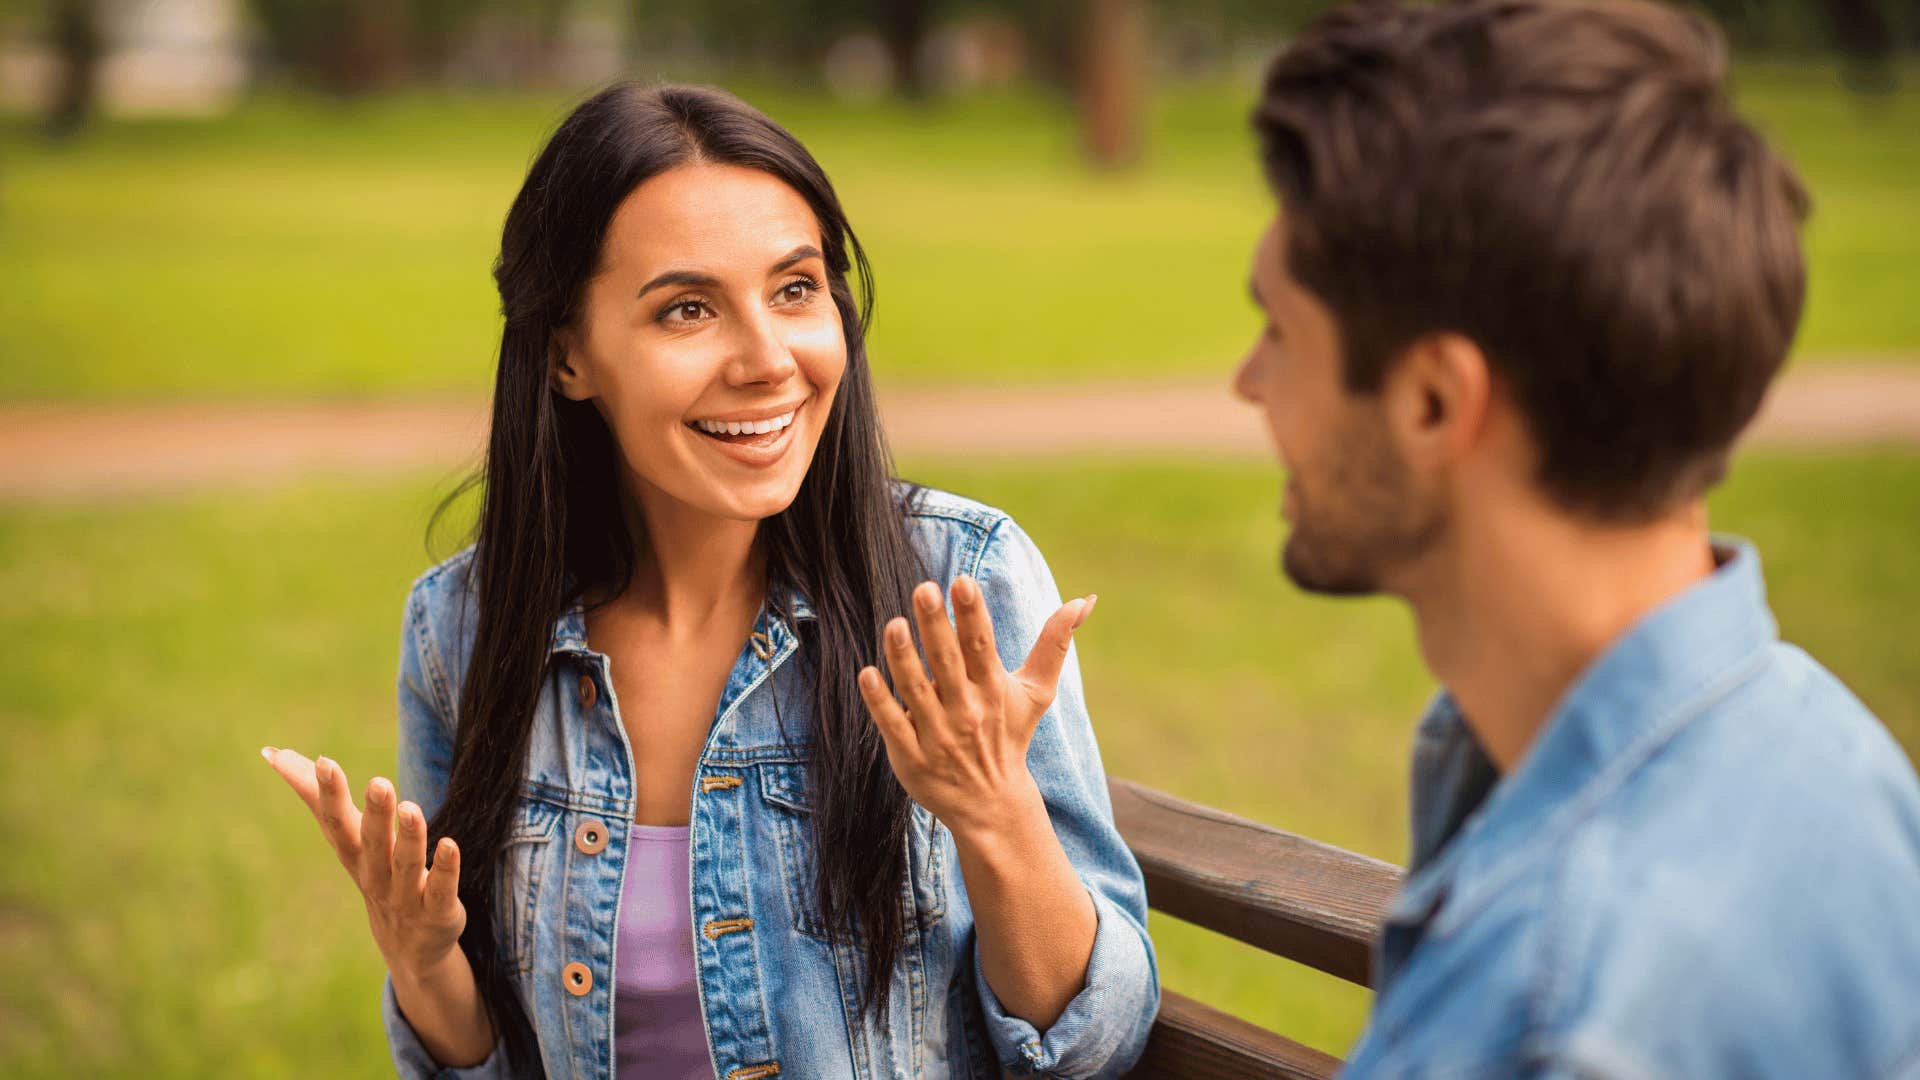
(415, 913)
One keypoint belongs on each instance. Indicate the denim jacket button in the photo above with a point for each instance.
(591, 836)
(587, 692)
(577, 978)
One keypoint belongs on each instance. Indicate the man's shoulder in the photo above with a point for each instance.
(1788, 756)
(1753, 879)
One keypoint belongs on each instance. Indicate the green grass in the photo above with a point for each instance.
(172, 911)
(301, 247)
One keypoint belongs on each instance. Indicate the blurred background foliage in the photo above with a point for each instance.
(300, 199)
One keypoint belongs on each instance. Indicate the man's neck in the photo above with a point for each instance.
(1518, 606)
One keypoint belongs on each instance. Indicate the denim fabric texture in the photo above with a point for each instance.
(1707, 865)
(778, 997)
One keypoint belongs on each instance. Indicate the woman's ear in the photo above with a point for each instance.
(565, 373)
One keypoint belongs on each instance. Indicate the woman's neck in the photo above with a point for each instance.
(693, 567)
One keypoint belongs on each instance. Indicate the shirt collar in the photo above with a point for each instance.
(570, 629)
(1640, 692)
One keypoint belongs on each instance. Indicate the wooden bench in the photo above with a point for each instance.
(1294, 897)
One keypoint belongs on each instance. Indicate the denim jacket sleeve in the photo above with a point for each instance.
(425, 759)
(1104, 1028)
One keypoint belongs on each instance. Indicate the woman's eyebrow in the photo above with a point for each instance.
(708, 281)
(797, 255)
(679, 277)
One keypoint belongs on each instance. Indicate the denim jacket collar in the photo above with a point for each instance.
(570, 629)
(1472, 827)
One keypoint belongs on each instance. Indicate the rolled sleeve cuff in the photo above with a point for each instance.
(410, 1058)
(1104, 1028)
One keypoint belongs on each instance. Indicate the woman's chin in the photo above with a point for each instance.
(756, 504)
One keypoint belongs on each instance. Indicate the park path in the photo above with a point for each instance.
(114, 450)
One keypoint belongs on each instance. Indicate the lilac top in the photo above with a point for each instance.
(657, 1028)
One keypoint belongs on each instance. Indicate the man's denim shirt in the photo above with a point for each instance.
(778, 997)
(1707, 865)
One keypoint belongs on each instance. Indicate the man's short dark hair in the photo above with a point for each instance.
(1564, 183)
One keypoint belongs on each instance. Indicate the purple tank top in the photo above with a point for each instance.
(657, 1030)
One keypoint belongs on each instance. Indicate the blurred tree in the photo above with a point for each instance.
(903, 26)
(1864, 34)
(78, 44)
(346, 47)
(354, 47)
(1112, 61)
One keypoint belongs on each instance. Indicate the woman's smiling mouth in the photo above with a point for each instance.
(751, 439)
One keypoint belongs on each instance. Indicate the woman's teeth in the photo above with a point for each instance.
(743, 427)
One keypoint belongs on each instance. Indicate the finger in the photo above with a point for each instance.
(909, 678)
(888, 716)
(376, 839)
(339, 818)
(443, 881)
(1041, 673)
(297, 770)
(409, 857)
(937, 638)
(975, 627)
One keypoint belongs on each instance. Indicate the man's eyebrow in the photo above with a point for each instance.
(797, 255)
(679, 277)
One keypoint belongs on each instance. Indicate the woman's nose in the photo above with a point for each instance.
(761, 356)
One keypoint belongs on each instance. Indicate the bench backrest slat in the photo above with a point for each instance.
(1298, 898)
(1196, 1041)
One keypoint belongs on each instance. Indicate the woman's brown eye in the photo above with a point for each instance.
(796, 291)
(689, 311)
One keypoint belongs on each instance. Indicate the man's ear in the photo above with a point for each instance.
(1437, 396)
(564, 373)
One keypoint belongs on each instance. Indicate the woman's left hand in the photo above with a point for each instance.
(959, 746)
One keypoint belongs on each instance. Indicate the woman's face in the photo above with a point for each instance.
(708, 341)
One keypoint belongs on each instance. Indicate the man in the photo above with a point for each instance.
(1529, 279)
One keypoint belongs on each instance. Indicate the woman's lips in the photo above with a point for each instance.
(756, 450)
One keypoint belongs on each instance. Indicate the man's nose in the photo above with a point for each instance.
(1245, 381)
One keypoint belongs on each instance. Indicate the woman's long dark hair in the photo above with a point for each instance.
(551, 533)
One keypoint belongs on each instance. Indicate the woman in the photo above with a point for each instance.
(680, 824)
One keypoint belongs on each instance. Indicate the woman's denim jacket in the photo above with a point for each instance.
(778, 997)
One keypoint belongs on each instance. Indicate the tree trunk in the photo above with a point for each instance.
(1112, 79)
(78, 42)
(904, 27)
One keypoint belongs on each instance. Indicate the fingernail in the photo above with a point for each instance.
(267, 752)
(897, 630)
(1086, 610)
(323, 769)
(964, 589)
(377, 791)
(927, 596)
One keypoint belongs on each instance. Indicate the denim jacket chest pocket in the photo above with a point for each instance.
(522, 867)
(784, 790)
